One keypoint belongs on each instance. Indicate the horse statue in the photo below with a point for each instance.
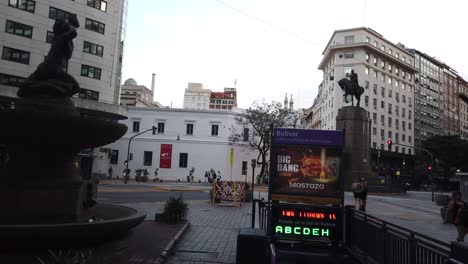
(347, 86)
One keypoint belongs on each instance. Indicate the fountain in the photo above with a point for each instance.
(44, 202)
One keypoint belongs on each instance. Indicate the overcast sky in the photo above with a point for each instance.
(273, 47)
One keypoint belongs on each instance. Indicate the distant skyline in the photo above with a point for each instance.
(272, 47)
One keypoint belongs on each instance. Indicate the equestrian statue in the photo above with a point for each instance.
(351, 87)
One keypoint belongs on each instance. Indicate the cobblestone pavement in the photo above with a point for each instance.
(212, 235)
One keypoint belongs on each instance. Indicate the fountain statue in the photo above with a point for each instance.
(43, 199)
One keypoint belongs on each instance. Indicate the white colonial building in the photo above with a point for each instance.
(186, 138)
(97, 58)
(195, 97)
(385, 70)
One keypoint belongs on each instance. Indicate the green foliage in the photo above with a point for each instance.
(450, 153)
(258, 118)
(175, 210)
(71, 257)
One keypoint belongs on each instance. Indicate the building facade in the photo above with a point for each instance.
(195, 97)
(386, 71)
(428, 98)
(463, 89)
(186, 138)
(226, 100)
(26, 34)
(451, 102)
(133, 94)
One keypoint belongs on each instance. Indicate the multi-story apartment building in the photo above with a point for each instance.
(428, 98)
(185, 138)
(451, 102)
(463, 90)
(133, 94)
(385, 70)
(195, 97)
(26, 34)
(224, 100)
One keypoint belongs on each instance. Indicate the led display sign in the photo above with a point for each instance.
(306, 223)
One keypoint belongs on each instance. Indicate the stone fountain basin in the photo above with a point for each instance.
(54, 130)
(116, 221)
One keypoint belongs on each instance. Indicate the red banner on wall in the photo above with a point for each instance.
(165, 158)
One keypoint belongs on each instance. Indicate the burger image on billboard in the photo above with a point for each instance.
(305, 170)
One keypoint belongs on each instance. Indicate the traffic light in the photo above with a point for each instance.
(429, 168)
(155, 130)
(389, 143)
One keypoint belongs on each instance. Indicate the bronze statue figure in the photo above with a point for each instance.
(50, 78)
(351, 87)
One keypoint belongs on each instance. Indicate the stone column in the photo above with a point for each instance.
(357, 160)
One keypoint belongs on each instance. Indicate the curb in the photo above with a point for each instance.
(176, 190)
(163, 256)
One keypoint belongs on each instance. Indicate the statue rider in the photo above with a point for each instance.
(353, 77)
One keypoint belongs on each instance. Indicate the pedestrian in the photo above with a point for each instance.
(363, 196)
(356, 187)
(110, 173)
(457, 212)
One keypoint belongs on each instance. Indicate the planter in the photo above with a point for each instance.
(442, 199)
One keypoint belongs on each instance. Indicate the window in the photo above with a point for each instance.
(50, 35)
(367, 39)
(390, 51)
(348, 39)
(397, 124)
(409, 114)
(403, 110)
(246, 134)
(136, 126)
(396, 147)
(382, 91)
(410, 126)
(397, 110)
(114, 156)
(55, 13)
(397, 138)
(389, 134)
(374, 117)
(348, 55)
(409, 140)
(382, 77)
(389, 67)
(15, 55)
(382, 64)
(367, 57)
(214, 130)
(11, 80)
(403, 137)
(374, 103)
(92, 48)
(161, 127)
(183, 158)
(376, 44)
(390, 80)
(382, 48)
(95, 26)
(366, 70)
(147, 158)
(375, 88)
(382, 120)
(382, 104)
(374, 145)
(403, 125)
(98, 4)
(389, 122)
(389, 108)
(366, 84)
(390, 93)
(375, 74)
(375, 61)
(366, 100)
(18, 29)
(88, 94)
(403, 98)
(374, 131)
(382, 134)
(91, 72)
(26, 5)
(397, 97)
(189, 129)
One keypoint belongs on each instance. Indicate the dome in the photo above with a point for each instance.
(130, 81)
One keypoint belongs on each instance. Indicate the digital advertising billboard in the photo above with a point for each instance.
(306, 163)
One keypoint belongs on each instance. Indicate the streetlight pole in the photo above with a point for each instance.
(130, 141)
(253, 202)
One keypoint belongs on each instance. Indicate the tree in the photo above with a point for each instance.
(258, 119)
(450, 153)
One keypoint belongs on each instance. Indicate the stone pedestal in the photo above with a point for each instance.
(357, 160)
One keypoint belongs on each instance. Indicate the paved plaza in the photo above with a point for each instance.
(211, 237)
